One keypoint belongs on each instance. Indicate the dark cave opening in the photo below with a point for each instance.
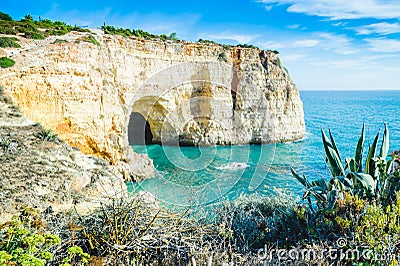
(139, 131)
(233, 95)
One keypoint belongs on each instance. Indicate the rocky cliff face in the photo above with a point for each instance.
(189, 93)
(40, 173)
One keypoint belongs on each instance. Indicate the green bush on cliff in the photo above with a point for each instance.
(90, 39)
(6, 62)
(138, 33)
(222, 57)
(25, 241)
(277, 62)
(47, 135)
(4, 16)
(33, 29)
(9, 42)
(247, 46)
(206, 41)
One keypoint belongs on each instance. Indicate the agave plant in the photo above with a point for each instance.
(369, 180)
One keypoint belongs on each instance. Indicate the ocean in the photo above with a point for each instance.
(187, 176)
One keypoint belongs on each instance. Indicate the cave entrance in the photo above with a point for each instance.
(139, 131)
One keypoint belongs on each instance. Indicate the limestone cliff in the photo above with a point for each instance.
(189, 93)
(40, 173)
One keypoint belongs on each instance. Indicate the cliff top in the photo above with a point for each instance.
(38, 30)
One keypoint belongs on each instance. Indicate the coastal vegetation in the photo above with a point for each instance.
(47, 135)
(6, 62)
(9, 42)
(42, 28)
(32, 29)
(138, 33)
(90, 39)
(356, 211)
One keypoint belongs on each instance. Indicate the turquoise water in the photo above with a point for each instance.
(192, 175)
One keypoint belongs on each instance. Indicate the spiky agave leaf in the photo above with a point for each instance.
(334, 145)
(302, 179)
(351, 165)
(385, 144)
(359, 151)
(371, 154)
(320, 183)
(333, 157)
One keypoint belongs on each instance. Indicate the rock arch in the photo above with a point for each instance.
(87, 94)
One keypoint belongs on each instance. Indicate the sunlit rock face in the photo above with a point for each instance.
(103, 98)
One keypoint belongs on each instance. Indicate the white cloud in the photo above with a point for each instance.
(340, 23)
(296, 27)
(342, 9)
(354, 64)
(384, 45)
(293, 27)
(338, 43)
(240, 38)
(268, 8)
(306, 43)
(382, 28)
(272, 45)
(294, 57)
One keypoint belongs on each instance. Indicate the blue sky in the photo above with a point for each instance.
(325, 44)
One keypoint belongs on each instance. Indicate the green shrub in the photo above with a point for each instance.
(222, 57)
(9, 42)
(341, 220)
(60, 41)
(163, 37)
(206, 41)
(250, 222)
(277, 62)
(380, 225)
(34, 35)
(5, 143)
(30, 28)
(76, 254)
(4, 16)
(7, 27)
(273, 51)
(27, 18)
(27, 240)
(47, 135)
(90, 39)
(23, 243)
(173, 36)
(6, 62)
(247, 46)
